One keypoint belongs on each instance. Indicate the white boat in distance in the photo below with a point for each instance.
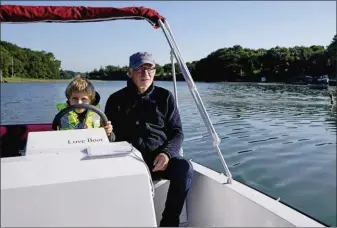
(101, 183)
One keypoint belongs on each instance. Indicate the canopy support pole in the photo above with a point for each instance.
(174, 76)
(181, 151)
(195, 94)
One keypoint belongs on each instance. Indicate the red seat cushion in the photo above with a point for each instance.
(13, 138)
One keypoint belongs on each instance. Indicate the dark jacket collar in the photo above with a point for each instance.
(133, 88)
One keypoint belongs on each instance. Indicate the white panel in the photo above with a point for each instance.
(52, 168)
(121, 201)
(214, 204)
(38, 142)
(71, 189)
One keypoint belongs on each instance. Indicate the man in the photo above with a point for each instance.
(146, 116)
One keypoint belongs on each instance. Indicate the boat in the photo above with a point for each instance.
(321, 82)
(323, 79)
(81, 178)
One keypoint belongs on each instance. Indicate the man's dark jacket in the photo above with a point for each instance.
(149, 121)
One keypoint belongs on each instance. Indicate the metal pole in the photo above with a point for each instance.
(195, 95)
(174, 77)
(181, 151)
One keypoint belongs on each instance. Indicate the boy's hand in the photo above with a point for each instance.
(108, 128)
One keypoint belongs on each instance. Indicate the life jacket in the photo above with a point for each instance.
(70, 121)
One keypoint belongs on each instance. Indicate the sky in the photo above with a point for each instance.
(200, 27)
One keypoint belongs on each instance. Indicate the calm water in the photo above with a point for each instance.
(279, 139)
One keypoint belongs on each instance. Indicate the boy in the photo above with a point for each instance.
(79, 91)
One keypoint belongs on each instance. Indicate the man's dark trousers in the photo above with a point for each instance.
(179, 172)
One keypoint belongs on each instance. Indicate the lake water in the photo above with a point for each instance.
(279, 139)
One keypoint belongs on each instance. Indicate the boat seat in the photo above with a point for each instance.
(158, 183)
(13, 138)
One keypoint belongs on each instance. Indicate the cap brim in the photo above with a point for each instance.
(143, 62)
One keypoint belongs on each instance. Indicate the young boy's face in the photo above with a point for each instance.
(79, 98)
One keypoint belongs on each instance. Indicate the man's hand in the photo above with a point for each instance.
(108, 128)
(160, 163)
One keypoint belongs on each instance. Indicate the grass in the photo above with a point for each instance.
(15, 79)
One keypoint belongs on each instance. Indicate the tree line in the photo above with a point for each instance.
(26, 63)
(278, 64)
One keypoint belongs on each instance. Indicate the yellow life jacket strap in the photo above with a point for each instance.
(69, 121)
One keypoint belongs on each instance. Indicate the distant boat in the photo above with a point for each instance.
(320, 83)
(263, 79)
(323, 79)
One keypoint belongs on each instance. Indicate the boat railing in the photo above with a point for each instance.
(194, 91)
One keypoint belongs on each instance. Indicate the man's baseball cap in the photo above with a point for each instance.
(140, 58)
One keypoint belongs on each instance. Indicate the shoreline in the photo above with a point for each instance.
(32, 80)
(37, 80)
(24, 80)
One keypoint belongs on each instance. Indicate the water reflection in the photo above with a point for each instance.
(274, 138)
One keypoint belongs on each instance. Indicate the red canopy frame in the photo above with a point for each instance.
(74, 14)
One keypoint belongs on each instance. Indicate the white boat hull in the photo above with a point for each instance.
(211, 203)
(64, 186)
